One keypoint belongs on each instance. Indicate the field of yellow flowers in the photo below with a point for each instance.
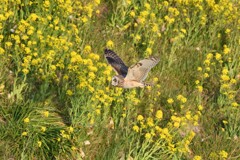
(56, 98)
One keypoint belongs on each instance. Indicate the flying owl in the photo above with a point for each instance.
(129, 77)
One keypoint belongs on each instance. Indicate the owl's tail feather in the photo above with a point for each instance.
(148, 84)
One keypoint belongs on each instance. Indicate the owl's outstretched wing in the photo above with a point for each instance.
(139, 71)
(115, 61)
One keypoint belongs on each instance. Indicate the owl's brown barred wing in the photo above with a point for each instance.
(139, 71)
(116, 62)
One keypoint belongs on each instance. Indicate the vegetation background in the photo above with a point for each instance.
(56, 101)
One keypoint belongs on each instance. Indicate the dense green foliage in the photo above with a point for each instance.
(56, 101)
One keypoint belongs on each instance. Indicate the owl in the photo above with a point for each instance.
(129, 77)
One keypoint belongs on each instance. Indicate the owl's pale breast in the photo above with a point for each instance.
(132, 84)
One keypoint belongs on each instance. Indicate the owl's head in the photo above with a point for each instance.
(117, 81)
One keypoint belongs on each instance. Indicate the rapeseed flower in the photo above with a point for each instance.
(170, 100)
(197, 82)
(150, 122)
(199, 68)
(39, 143)
(69, 92)
(226, 50)
(43, 129)
(110, 44)
(26, 120)
(24, 133)
(200, 107)
(148, 135)
(140, 117)
(235, 104)
(159, 114)
(46, 113)
(137, 37)
(223, 154)
(136, 128)
(70, 129)
(148, 51)
(200, 88)
(87, 49)
(227, 30)
(132, 14)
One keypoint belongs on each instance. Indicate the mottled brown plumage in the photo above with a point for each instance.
(133, 76)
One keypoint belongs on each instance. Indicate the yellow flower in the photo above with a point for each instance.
(225, 122)
(149, 87)
(132, 14)
(25, 71)
(225, 71)
(200, 107)
(223, 154)
(70, 129)
(200, 88)
(188, 115)
(84, 19)
(150, 122)
(148, 51)
(148, 135)
(218, 56)
(43, 129)
(183, 30)
(137, 37)
(225, 78)
(24, 133)
(226, 50)
(159, 114)
(182, 98)
(69, 92)
(39, 143)
(26, 120)
(98, 111)
(140, 118)
(170, 100)
(155, 79)
(209, 56)
(1, 51)
(233, 81)
(87, 49)
(197, 82)
(157, 128)
(73, 148)
(147, 6)
(136, 128)
(97, 2)
(91, 75)
(110, 44)
(98, 11)
(199, 68)
(176, 124)
(207, 62)
(165, 3)
(227, 30)
(234, 104)
(8, 44)
(46, 113)
(206, 75)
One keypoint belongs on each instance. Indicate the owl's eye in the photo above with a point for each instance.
(114, 80)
